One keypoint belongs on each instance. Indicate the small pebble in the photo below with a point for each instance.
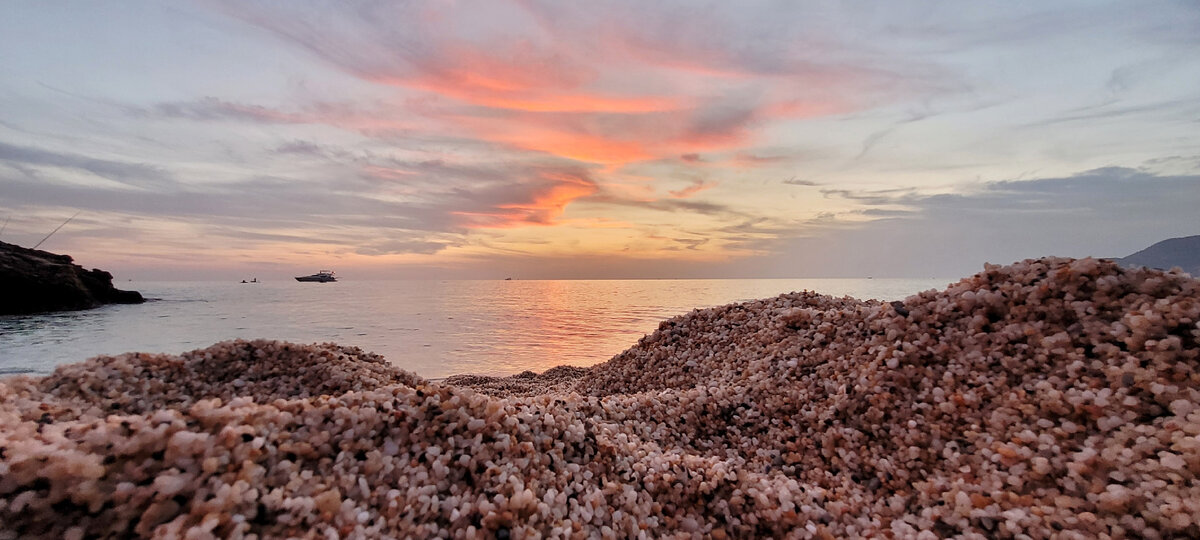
(1048, 398)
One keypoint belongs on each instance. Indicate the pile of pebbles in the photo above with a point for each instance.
(1052, 397)
(526, 383)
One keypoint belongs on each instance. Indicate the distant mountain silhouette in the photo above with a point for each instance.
(1182, 252)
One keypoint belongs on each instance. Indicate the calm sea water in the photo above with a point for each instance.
(433, 328)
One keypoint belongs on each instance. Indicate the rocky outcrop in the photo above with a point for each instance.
(33, 281)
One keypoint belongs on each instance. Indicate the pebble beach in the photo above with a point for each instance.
(1048, 398)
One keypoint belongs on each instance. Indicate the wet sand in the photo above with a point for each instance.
(1049, 397)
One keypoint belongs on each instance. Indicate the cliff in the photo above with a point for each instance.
(33, 281)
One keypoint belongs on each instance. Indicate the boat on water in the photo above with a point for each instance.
(324, 276)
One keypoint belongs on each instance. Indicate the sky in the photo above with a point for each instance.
(545, 139)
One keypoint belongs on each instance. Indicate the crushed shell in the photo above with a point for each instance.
(1049, 398)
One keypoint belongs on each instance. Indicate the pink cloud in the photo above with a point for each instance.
(696, 187)
(626, 85)
(542, 206)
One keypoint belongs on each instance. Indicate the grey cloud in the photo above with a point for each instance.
(1180, 109)
(872, 198)
(761, 38)
(793, 181)
(666, 205)
(757, 226)
(300, 147)
(262, 199)
(434, 202)
(211, 108)
(221, 230)
(926, 110)
(881, 213)
(722, 119)
(871, 140)
(367, 41)
(1187, 162)
(243, 211)
(134, 174)
(755, 234)
(1063, 21)
(1107, 212)
(689, 243)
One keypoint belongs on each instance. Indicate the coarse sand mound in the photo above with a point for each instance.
(1052, 397)
(526, 383)
(266, 370)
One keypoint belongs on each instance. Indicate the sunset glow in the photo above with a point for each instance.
(483, 139)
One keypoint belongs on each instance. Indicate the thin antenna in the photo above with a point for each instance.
(56, 230)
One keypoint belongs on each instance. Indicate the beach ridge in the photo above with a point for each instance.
(1044, 396)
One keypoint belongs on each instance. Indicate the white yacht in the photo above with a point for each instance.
(324, 276)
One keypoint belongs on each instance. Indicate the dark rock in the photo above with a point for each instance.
(33, 281)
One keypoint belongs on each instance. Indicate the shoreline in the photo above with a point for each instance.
(396, 319)
(1049, 395)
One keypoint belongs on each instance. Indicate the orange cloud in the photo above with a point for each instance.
(544, 206)
(806, 108)
(579, 146)
(580, 103)
(641, 85)
(501, 94)
(545, 101)
(516, 78)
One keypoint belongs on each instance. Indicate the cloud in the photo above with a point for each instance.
(666, 205)
(1173, 109)
(623, 85)
(211, 108)
(537, 126)
(876, 197)
(537, 203)
(693, 244)
(449, 199)
(1107, 212)
(748, 160)
(391, 247)
(696, 187)
(133, 174)
(300, 147)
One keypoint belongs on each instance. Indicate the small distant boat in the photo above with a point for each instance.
(324, 276)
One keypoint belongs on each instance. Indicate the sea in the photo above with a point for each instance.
(432, 328)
